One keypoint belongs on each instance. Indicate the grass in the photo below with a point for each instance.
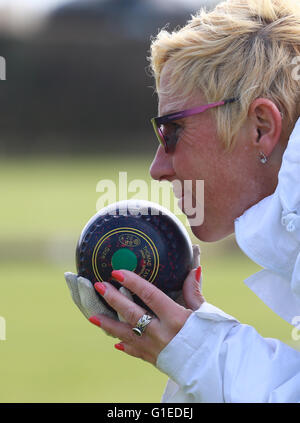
(43, 197)
(52, 354)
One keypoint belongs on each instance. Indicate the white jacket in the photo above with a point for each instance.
(214, 358)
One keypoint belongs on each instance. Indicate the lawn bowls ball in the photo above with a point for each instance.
(140, 236)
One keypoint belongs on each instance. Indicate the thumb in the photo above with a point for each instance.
(192, 289)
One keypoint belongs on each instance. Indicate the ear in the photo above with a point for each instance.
(266, 122)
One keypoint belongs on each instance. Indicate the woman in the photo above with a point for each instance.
(245, 144)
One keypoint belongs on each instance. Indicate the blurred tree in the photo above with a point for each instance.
(80, 85)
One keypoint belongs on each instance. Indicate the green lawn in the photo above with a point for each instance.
(44, 197)
(52, 354)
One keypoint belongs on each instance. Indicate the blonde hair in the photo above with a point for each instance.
(243, 49)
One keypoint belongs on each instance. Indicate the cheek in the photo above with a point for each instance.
(186, 165)
(186, 157)
(195, 156)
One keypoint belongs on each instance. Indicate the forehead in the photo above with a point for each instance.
(171, 100)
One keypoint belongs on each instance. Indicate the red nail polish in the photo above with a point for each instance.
(198, 274)
(100, 287)
(120, 347)
(95, 321)
(117, 274)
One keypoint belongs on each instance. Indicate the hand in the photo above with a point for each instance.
(191, 295)
(88, 302)
(84, 296)
(170, 316)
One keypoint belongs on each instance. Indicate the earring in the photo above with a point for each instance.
(263, 158)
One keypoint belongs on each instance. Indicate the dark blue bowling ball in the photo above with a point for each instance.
(140, 236)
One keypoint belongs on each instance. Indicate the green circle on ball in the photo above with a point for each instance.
(124, 259)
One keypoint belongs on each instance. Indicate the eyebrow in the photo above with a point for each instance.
(168, 112)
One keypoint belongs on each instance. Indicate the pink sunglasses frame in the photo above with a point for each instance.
(161, 120)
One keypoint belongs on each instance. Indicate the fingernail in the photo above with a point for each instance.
(198, 274)
(117, 274)
(120, 347)
(95, 321)
(100, 287)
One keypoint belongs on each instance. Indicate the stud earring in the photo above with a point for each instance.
(263, 158)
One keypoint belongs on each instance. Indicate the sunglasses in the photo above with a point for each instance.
(168, 132)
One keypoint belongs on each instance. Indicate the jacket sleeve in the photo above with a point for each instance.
(214, 358)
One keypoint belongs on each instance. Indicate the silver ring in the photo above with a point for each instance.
(142, 324)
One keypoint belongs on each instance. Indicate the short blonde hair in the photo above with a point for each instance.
(242, 48)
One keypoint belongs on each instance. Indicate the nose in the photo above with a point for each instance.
(162, 165)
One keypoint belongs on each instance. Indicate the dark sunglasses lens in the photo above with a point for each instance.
(162, 139)
(158, 134)
(170, 137)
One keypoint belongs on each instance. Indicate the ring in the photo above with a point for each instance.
(141, 324)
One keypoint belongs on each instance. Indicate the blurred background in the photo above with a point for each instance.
(75, 109)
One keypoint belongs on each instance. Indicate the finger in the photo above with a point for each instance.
(97, 322)
(90, 300)
(180, 300)
(196, 260)
(196, 255)
(196, 263)
(131, 349)
(127, 294)
(121, 330)
(163, 306)
(72, 283)
(191, 291)
(130, 311)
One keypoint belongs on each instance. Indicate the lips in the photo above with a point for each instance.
(185, 198)
(177, 190)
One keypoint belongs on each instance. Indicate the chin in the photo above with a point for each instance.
(206, 234)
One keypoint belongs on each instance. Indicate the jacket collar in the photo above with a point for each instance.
(269, 232)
